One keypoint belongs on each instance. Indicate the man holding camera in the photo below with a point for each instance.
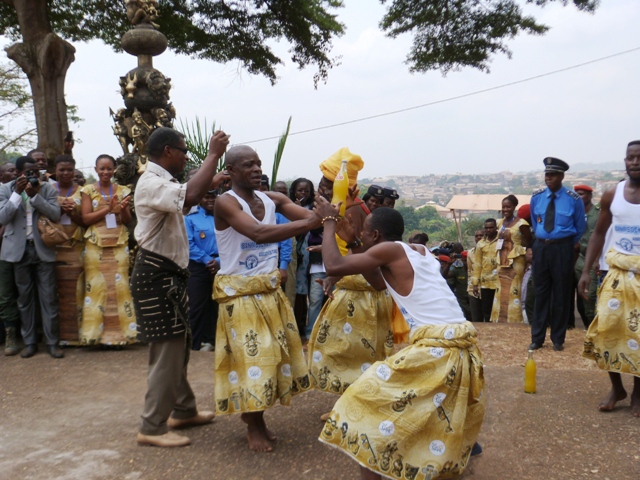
(22, 202)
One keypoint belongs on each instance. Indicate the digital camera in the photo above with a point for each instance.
(32, 177)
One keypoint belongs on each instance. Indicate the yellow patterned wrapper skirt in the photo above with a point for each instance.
(352, 331)
(108, 315)
(613, 338)
(258, 357)
(417, 414)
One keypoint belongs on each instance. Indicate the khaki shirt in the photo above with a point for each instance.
(158, 201)
(485, 264)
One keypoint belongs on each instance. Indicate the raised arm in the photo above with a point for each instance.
(205, 178)
(289, 209)
(45, 201)
(229, 211)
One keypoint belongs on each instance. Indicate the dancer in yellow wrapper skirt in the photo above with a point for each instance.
(352, 332)
(418, 413)
(263, 361)
(613, 338)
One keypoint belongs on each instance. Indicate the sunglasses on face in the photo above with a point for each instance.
(183, 150)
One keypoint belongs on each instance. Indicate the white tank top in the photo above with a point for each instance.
(239, 255)
(431, 301)
(625, 224)
(604, 266)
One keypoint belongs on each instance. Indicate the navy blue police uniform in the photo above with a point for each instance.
(556, 234)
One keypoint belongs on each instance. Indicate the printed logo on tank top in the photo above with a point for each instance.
(253, 260)
(626, 243)
(410, 321)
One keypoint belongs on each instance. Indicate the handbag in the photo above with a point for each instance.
(51, 233)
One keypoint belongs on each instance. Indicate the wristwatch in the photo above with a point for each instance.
(356, 243)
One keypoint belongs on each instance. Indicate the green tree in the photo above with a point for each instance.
(217, 30)
(449, 35)
(15, 104)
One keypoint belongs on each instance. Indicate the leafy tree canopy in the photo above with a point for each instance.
(15, 105)
(222, 31)
(451, 34)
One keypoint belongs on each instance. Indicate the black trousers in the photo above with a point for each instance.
(475, 304)
(486, 299)
(203, 309)
(553, 279)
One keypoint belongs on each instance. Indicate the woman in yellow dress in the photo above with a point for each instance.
(514, 235)
(107, 314)
(69, 271)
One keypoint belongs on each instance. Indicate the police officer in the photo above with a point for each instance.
(374, 197)
(390, 196)
(558, 220)
(587, 308)
(204, 263)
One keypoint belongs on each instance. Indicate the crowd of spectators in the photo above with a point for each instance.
(89, 270)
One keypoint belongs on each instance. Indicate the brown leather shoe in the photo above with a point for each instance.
(167, 440)
(29, 351)
(55, 351)
(200, 419)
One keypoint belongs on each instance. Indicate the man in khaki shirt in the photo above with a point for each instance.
(474, 300)
(485, 269)
(159, 279)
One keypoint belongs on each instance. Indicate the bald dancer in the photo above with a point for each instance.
(258, 357)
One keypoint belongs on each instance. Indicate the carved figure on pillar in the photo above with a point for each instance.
(144, 90)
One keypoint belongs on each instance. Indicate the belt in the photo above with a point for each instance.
(31, 242)
(550, 241)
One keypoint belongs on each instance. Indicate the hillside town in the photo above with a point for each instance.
(437, 190)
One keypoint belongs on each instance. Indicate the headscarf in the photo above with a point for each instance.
(331, 166)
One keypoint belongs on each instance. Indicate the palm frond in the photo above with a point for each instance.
(196, 136)
(278, 155)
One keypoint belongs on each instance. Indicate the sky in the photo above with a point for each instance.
(586, 114)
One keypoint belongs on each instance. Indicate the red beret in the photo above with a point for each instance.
(443, 258)
(586, 188)
(524, 212)
(464, 254)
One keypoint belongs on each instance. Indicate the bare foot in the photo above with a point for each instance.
(256, 434)
(268, 433)
(609, 403)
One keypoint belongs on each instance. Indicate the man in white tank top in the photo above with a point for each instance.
(259, 355)
(421, 409)
(613, 338)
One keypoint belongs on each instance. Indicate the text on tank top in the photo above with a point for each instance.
(239, 255)
(625, 223)
(431, 301)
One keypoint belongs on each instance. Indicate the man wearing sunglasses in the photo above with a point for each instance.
(159, 281)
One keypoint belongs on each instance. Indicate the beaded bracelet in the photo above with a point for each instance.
(335, 219)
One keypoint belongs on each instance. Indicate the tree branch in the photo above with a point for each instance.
(17, 139)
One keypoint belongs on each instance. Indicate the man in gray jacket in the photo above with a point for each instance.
(22, 202)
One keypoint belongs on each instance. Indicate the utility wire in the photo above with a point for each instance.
(444, 100)
(449, 99)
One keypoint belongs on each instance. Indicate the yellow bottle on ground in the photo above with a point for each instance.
(341, 188)
(530, 374)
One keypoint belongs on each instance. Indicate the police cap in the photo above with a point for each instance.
(376, 191)
(555, 165)
(390, 193)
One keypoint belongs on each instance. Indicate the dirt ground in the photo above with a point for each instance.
(76, 419)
